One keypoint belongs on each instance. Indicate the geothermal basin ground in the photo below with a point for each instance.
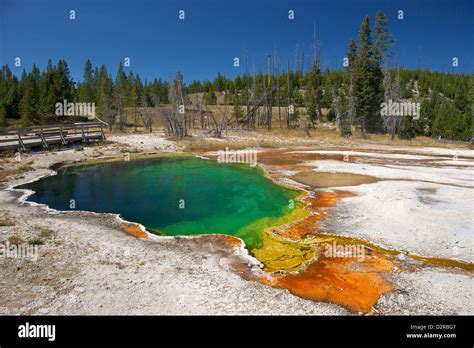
(409, 207)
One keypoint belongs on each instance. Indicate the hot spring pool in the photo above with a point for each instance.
(176, 196)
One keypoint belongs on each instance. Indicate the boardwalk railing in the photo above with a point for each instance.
(22, 138)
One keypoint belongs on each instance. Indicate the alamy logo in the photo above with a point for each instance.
(19, 251)
(237, 156)
(75, 109)
(343, 250)
(400, 109)
(37, 331)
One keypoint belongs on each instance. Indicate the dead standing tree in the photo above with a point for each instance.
(343, 109)
(343, 104)
(119, 106)
(146, 115)
(277, 75)
(315, 76)
(165, 116)
(174, 120)
(269, 96)
(108, 111)
(288, 85)
(201, 112)
(392, 93)
(251, 112)
(218, 126)
(256, 104)
(346, 129)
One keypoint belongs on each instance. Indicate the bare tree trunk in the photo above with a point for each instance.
(201, 112)
(119, 107)
(135, 121)
(108, 112)
(252, 118)
(269, 96)
(177, 121)
(146, 115)
(289, 96)
(278, 90)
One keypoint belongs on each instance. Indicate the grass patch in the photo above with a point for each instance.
(46, 232)
(35, 241)
(15, 240)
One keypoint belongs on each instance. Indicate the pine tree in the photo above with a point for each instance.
(406, 130)
(451, 123)
(470, 95)
(103, 89)
(62, 82)
(46, 91)
(461, 95)
(35, 72)
(426, 112)
(383, 40)
(129, 84)
(367, 82)
(314, 93)
(237, 111)
(352, 55)
(135, 97)
(349, 115)
(3, 115)
(95, 78)
(346, 122)
(9, 92)
(29, 100)
(104, 96)
(86, 91)
(219, 83)
(137, 91)
(119, 95)
(309, 103)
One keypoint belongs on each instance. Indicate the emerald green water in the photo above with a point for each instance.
(177, 196)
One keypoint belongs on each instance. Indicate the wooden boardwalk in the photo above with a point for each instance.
(44, 136)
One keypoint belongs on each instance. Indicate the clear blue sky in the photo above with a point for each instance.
(214, 32)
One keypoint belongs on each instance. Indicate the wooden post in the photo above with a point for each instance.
(43, 140)
(61, 135)
(102, 132)
(20, 141)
